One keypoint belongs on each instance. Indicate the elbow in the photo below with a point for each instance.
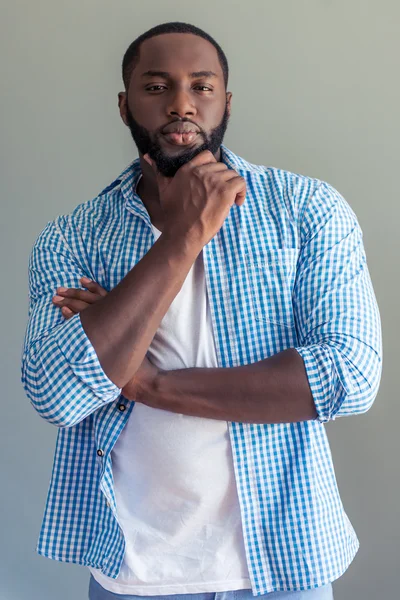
(53, 419)
(357, 404)
(344, 378)
(359, 394)
(45, 409)
(346, 405)
(344, 387)
(60, 396)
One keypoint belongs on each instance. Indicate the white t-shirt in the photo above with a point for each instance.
(174, 481)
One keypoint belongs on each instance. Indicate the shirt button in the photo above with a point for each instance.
(108, 504)
(121, 407)
(100, 452)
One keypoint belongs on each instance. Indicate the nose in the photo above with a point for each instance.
(181, 105)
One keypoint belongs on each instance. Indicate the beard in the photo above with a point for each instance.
(147, 143)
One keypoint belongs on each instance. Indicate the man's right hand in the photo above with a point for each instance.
(195, 203)
(197, 200)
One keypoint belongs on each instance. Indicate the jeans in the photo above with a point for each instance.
(97, 592)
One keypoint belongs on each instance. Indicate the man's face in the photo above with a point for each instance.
(180, 108)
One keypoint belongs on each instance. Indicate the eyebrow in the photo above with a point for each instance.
(165, 74)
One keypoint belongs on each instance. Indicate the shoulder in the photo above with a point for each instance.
(299, 193)
(106, 206)
(86, 220)
(270, 179)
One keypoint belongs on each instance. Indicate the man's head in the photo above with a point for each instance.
(175, 101)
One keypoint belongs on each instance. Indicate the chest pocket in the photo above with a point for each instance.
(272, 275)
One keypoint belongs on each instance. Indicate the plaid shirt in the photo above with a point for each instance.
(286, 270)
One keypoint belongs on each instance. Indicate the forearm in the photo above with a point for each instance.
(274, 390)
(122, 325)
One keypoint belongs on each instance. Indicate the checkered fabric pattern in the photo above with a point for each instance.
(286, 270)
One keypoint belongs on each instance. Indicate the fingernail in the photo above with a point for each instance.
(57, 298)
(61, 289)
(148, 159)
(85, 279)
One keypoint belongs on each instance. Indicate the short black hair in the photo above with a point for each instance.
(131, 56)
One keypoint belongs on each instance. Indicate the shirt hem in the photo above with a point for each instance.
(165, 590)
(258, 590)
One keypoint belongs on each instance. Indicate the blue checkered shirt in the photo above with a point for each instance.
(286, 270)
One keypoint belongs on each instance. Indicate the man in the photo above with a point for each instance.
(191, 330)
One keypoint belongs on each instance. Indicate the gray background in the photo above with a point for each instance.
(316, 91)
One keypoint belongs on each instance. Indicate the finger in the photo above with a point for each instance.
(92, 286)
(238, 184)
(67, 312)
(203, 158)
(229, 174)
(213, 167)
(74, 305)
(78, 294)
(240, 198)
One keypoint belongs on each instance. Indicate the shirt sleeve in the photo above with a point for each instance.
(61, 372)
(336, 313)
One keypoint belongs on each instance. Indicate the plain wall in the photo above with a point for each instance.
(316, 91)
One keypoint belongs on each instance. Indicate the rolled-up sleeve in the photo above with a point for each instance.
(336, 313)
(61, 372)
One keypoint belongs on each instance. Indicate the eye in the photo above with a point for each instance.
(156, 88)
(152, 88)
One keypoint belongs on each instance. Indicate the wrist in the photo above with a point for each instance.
(147, 388)
(181, 246)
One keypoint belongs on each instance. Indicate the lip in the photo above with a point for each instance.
(177, 138)
(180, 127)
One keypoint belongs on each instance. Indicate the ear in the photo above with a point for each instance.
(122, 103)
(229, 102)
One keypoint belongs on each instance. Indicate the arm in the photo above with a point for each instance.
(61, 371)
(202, 389)
(337, 316)
(72, 301)
(274, 390)
(195, 203)
(335, 370)
(70, 369)
(122, 325)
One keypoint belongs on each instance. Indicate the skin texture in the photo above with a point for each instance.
(189, 206)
